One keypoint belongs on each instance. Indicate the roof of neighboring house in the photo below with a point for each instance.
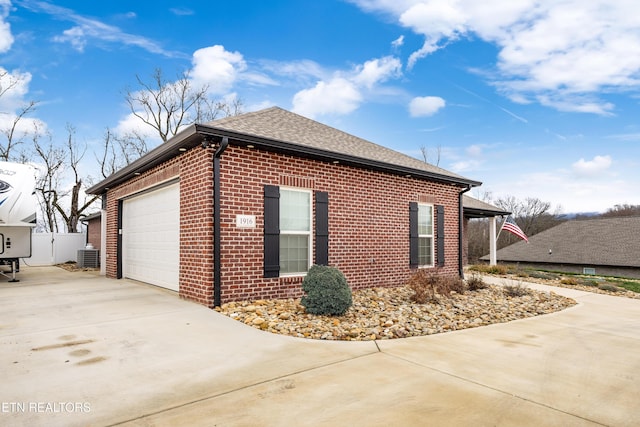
(89, 217)
(279, 130)
(474, 208)
(600, 241)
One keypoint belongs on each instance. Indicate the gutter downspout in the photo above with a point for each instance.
(460, 231)
(217, 278)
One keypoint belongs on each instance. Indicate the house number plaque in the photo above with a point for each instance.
(245, 221)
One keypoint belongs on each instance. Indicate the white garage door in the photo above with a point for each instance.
(151, 237)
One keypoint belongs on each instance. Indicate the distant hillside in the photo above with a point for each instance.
(573, 215)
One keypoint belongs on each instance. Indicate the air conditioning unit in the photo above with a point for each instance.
(88, 258)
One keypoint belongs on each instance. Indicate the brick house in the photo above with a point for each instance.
(239, 209)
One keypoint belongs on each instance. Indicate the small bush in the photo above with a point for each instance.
(490, 269)
(571, 281)
(543, 275)
(518, 290)
(590, 283)
(327, 291)
(427, 286)
(475, 283)
(608, 287)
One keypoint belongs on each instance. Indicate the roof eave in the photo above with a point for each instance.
(483, 213)
(184, 140)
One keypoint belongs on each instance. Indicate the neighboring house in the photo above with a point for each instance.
(93, 223)
(604, 246)
(241, 207)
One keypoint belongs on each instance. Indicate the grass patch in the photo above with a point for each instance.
(631, 285)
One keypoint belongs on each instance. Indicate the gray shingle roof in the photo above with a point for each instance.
(474, 208)
(601, 241)
(280, 130)
(281, 125)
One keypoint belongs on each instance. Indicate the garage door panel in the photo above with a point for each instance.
(151, 237)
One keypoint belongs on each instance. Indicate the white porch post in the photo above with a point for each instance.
(492, 241)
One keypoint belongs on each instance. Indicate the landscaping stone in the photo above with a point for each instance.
(388, 313)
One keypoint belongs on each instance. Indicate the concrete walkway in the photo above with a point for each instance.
(79, 349)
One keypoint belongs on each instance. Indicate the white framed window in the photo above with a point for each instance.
(425, 235)
(295, 231)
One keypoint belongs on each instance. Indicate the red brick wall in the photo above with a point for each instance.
(195, 170)
(368, 221)
(94, 232)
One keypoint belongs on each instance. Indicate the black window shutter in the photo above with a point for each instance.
(271, 231)
(413, 235)
(440, 234)
(322, 227)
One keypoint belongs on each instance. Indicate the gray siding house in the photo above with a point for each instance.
(603, 246)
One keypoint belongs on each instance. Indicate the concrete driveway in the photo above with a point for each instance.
(79, 349)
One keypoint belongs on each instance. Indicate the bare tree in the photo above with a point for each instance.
(531, 214)
(622, 210)
(119, 151)
(425, 154)
(13, 138)
(62, 163)
(48, 182)
(168, 106)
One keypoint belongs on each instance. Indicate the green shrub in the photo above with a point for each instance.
(428, 286)
(590, 283)
(475, 283)
(543, 275)
(608, 287)
(327, 291)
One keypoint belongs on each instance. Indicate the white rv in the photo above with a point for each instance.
(18, 205)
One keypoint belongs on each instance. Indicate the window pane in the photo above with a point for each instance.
(294, 253)
(425, 220)
(295, 208)
(425, 250)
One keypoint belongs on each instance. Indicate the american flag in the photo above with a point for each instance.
(510, 225)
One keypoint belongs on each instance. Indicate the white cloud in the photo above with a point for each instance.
(216, 67)
(131, 124)
(377, 71)
(14, 87)
(592, 168)
(398, 42)
(563, 54)
(425, 106)
(343, 92)
(474, 150)
(6, 38)
(89, 29)
(338, 96)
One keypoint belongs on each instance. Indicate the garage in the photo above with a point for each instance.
(151, 237)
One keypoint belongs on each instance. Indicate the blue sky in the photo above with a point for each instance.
(533, 98)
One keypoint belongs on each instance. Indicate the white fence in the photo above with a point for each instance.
(55, 248)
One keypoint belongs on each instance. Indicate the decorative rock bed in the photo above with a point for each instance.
(387, 313)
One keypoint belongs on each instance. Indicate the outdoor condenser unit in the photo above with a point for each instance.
(88, 258)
